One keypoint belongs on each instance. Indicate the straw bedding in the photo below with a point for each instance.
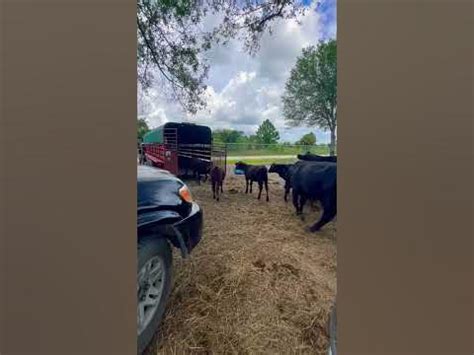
(258, 283)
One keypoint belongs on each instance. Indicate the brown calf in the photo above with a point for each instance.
(217, 180)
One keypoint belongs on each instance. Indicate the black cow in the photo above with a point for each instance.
(314, 157)
(141, 155)
(200, 167)
(284, 171)
(315, 181)
(258, 173)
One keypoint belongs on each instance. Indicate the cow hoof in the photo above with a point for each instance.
(313, 229)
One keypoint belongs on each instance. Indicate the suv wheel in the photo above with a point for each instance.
(153, 287)
(332, 332)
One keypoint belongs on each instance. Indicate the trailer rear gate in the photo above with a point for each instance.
(173, 146)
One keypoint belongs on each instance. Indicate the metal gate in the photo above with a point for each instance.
(219, 156)
(170, 139)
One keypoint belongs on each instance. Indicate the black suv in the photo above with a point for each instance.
(166, 216)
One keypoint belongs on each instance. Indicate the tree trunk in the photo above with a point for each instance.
(332, 144)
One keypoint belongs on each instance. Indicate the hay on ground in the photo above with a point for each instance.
(258, 283)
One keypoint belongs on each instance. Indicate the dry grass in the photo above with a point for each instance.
(258, 283)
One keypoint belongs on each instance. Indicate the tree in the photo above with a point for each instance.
(307, 139)
(267, 133)
(142, 128)
(227, 135)
(310, 96)
(171, 39)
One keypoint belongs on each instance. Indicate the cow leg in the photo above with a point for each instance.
(217, 190)
(251, 184)
(287, 190)
(260, 188)
(295, 202)
(302, 202)
(266, 189)
(329, 212)
(328, 215)
(213, 190)
(246, 186)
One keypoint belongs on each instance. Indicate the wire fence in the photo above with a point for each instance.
(222, 154)
(254, 149)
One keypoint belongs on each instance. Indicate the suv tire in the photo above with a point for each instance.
(153, 287)
(333, 332)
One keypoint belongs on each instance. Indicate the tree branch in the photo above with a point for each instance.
(154, 55)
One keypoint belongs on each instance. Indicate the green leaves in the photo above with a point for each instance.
(267, 133)
(307, 139)
(167, 46)
(171, 40)
(228, 136)
(310, 96)
(142, 128)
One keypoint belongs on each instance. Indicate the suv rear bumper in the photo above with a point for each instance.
(189, 229)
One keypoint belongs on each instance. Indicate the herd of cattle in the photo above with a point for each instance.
(311, 178)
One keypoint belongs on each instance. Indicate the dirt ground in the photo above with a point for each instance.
(258, 283)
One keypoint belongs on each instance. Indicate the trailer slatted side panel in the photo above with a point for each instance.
(175, 145)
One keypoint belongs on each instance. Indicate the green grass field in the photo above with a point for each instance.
(261, 161)
(267, 155)
(280, 153)
(276, 150)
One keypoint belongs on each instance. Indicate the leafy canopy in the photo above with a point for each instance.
(310, 96)
(142, 128)
(267, 133)
(228, 136)
(307, 139)
(172, 41)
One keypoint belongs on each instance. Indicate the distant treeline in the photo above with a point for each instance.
(266, 142)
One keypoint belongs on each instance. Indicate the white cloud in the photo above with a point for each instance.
(244, 90)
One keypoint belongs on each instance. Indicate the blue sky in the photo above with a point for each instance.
(244, 90)
(328, 11)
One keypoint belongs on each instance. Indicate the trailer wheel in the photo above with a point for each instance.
(153, 287)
